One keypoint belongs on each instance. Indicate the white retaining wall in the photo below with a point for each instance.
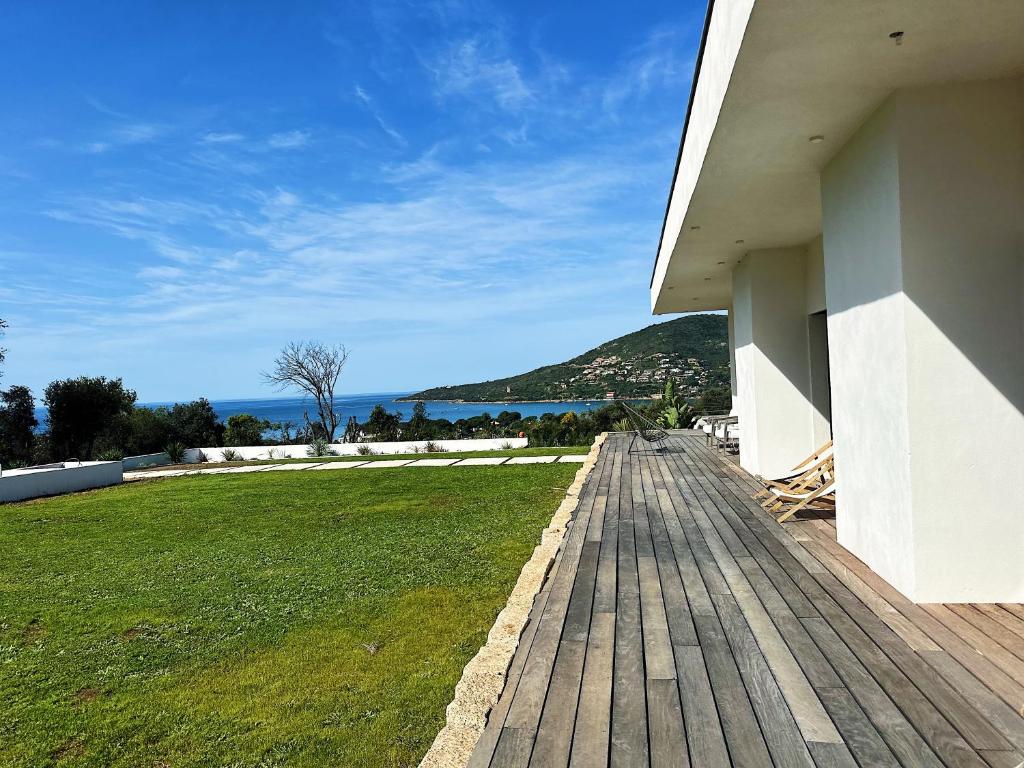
(352, 449)
(145, 460)
(20, 484)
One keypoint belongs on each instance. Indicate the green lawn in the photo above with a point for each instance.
(300, 619)
(569, 450)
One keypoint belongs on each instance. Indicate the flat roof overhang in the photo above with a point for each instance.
(774, 73)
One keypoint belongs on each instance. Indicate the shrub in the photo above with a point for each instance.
(245, 429)
(320, 446)
(365, 450)
(201, 457)
(230, 454)
(506, 445)
(274, 453)
(432, 447)
(622, 425)
(110, 454)
(176, 452)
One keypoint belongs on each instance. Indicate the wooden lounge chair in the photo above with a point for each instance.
(815, 489)
(644, 428)
(804, 475)
(822, 496)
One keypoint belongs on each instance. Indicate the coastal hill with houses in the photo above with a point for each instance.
(691, 350)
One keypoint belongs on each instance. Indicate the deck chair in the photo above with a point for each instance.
(708, 424)
(643, 428)
(822, 496)
(727, 434)
(814, 493)
(805, 474)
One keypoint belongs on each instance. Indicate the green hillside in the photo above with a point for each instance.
(693, 350)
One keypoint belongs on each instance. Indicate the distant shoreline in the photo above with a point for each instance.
(521, 402)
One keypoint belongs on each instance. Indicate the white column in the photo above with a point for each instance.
(922, 213)
(731, 325)
(772, 368)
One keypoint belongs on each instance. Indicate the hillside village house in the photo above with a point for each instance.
(850, 187)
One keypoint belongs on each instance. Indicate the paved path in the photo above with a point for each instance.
(299, 466)
(683, 626)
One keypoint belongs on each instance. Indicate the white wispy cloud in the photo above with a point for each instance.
(656, 62)
(124, 135)
(222, 137)
(368, 103)
(479, 68)
(289, 139)
(474, 244)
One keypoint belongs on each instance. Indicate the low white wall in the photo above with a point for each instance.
(145, 460)
(352, 449)
(20, 484)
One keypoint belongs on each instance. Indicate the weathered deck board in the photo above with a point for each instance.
(681, 625)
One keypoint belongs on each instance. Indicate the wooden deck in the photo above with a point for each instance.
(682, 626)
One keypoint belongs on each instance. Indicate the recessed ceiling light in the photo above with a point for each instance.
(817, 139)
(670, 288)
(707, 278)
(721, 262)
(897, 37)
(694, 299)
(695, 228)
(739, 242)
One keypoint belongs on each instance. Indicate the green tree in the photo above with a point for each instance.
(245, 429)
(81, 410)
(383, 425)
(17, 424)
(195, 424)
(138, 431)
(419, 424)
(715, 400)
(352, 430)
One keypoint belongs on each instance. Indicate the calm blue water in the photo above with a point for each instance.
(291, 408)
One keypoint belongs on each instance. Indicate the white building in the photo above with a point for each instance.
(850, 186)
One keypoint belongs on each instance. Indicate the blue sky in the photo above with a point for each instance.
(454, 190)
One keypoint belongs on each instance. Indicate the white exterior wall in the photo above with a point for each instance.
(249, 452)
(922, 213)
(20, 484)
(771, 362)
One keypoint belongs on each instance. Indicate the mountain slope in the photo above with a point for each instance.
(693, 350)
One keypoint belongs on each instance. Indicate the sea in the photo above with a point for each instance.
(282, 409)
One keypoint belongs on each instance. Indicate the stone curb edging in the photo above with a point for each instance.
(483, 678)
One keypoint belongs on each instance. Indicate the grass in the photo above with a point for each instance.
(574, 450)
(300, 619)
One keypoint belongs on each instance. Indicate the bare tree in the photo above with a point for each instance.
(3, 352)
(314, 368)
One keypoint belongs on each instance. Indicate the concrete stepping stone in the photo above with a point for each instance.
(479, 461)
(163, 473)
(532, 460)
